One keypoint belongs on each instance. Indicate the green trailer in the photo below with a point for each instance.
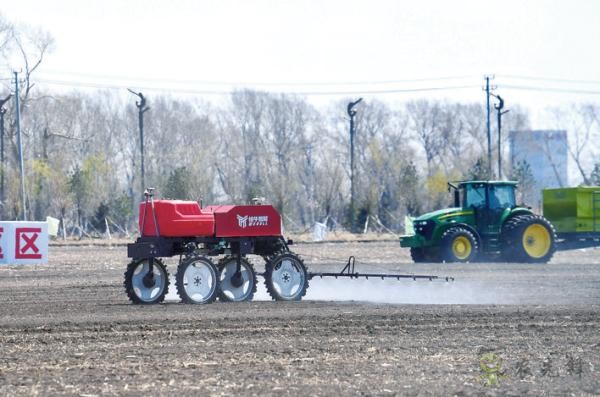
(575, 214)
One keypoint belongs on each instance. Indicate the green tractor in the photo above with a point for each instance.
(484, 224)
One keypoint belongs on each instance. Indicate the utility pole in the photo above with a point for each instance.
(352, 113)
(499, 106)
(2, 167)
(489, 132)
(142, 108)
(20, 146)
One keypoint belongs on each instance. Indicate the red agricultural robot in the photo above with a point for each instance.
(171, 228)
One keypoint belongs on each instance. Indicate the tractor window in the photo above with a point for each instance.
(502, 196)
(474, 196)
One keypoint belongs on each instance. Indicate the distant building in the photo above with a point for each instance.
(545, 152)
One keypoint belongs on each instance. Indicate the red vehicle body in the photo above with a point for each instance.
(173, 227)
(176, 218)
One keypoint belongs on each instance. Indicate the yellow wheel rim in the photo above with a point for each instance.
(461, 247)
(536, 240)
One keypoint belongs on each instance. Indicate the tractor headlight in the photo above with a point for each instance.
(425, 228)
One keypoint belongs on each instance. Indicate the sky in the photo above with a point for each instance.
(541, 53)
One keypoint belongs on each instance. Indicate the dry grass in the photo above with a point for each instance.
(332, 236)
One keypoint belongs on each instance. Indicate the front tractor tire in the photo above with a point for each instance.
(417, 254)
(458, 244)
(197, 280)
(286, 277)
(424, 254)
(528, 238)
(145, 286)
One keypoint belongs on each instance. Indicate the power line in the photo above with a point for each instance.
(548, 79)
(389, 91)
(129, 79)
(548, 89)
(228, 92)
(232, 86)
(120, 87)
(242, 83)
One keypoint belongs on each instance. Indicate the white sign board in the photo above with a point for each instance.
(23, 243)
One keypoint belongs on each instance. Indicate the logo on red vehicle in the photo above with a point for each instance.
(242, 221)
(250, 221)
(25, 247)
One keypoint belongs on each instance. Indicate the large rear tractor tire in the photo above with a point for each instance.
(144, 286)
(458, 245)
(528, 238)
(197, 280)
(286, 277)
(236, 288)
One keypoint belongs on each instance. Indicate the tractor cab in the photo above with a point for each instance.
(479, 194)
(490, 201)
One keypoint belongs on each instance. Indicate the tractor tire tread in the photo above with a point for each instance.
(446, 244)
(269, 274)
(128, 285)
(512, 233)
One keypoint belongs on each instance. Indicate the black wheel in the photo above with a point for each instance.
(236, 288)
(417, 254)
(286, 277)
(509, 236)
(197, 280)
(458, 245)
(144, 286)
(424, 254)
(528, 238)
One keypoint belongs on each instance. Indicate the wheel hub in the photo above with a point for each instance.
(148, 280)
(461, 247)
(237, 280)
(537, 240)
(197, 281)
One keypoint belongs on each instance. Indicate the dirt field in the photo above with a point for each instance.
(66, 328)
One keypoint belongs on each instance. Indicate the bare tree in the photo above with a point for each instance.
(6, 35)
(288, 148)
(26, 47)
(33, 45)
(247, 120)
(426, 118)
(579, 121)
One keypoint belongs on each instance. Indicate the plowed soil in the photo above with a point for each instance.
(67, 328)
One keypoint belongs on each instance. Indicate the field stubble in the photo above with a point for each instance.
(67, 328)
